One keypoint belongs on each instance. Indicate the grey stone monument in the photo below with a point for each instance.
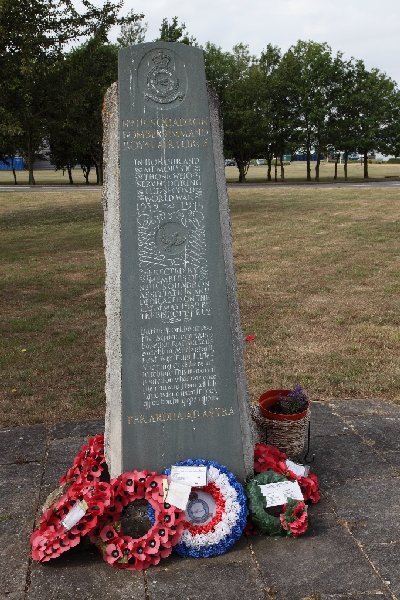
(175, 382)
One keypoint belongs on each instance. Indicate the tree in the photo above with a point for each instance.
(33, 34)
(235, 77)
(307, 71)
(75, 126)
(132, 32)
(376, 110)
(173, 32)
(10, 132)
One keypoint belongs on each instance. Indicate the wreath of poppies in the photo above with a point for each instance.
(216, 513)
(55, 535)
(88, 464)
(293, 520)
(268, 457)
(125, 552)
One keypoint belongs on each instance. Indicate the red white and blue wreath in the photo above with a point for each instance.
(216, 514)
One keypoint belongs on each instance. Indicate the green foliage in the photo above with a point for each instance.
(173, 32)
(33, 34)
(75, 127)
(235, 77)
(132, 32)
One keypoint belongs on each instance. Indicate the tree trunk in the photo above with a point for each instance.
(308, 150)
(336, 163)
(276, 168)
(366, 164)
(282, 167)
(346, 156)
(269, 162)
(69, 169)
(14, 173)
(242, 174)
(317, 167)
(30, 161)
(86, 171)
(100, 178)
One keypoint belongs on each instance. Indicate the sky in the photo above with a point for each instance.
(363, 29)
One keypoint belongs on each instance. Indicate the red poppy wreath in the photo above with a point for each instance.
(73, 516)
(126, 552)
(89, 463)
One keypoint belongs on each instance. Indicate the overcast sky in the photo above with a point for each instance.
(366, 29)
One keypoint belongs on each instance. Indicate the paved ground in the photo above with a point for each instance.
(351, 550)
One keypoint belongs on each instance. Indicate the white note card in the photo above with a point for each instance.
(189, 475)
(276, 494)
(299, 470)
(178, 494)
(75, 515)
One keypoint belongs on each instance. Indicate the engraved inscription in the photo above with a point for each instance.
(173, 271)
(171, 238)
(190, 415)
(162, 83)
(178, 367)
(165, 133)
(162, 79)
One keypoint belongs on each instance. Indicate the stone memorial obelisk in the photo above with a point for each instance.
(175, 383)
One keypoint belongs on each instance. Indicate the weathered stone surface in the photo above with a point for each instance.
(174, 347)
(19, 489)
(14, 554)
(77, 429)
(364, 407)
(82, 574)
(324, 423)
(370, 508)
(229, 576)
(384, 557)
(19, 495)
(345, 457)
(324, 561)
(22, 444)
(381, 431)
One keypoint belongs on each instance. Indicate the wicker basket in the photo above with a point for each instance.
(288, 436)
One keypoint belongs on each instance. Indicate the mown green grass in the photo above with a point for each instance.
(296, 172)
(318, 280)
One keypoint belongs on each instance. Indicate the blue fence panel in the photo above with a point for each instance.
(6, 165)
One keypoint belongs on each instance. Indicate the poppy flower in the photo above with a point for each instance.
(250, 338)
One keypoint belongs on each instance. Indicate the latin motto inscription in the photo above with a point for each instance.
(190, 415)
(178, 366)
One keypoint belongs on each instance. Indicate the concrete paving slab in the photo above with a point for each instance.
(14, 555)
(77, 429)
(324, 423)
(364, 407)
(230, 576)
(81, 574)
(371, 508)
(22, 444)
(338, 458)
(19, 489)
(384, 557)
(380, 431)
(324, 561)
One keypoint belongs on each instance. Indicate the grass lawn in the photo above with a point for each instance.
(318, 277)
(296, 172)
